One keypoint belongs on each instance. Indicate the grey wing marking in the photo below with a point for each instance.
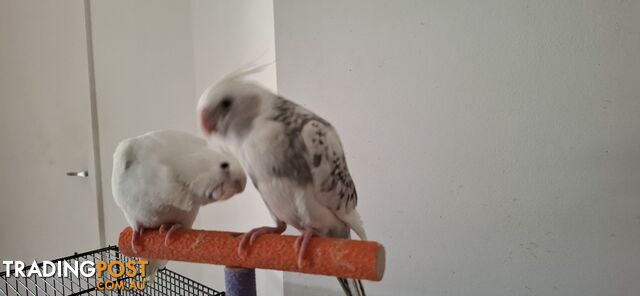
(293, 163)
(314, 155)
(293, 116)
(329, 166)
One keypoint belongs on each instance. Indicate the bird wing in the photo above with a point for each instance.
(314, 155)
(142, 184)
(333, 184)
(328, 165)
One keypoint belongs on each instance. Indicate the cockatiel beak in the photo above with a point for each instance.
(208, 121)
(239, 185)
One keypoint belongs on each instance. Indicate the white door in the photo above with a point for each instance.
(45, 132)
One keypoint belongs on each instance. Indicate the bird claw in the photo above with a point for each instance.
(302, 243)
(170, 229)
(164, 227)
(253, 234)
(135, 239)
(297, 243)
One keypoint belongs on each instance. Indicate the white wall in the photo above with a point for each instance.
(152, 61)
(226, 35)
(494, 144)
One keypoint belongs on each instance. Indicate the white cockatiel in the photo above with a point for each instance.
(161, 179)
(294, 158)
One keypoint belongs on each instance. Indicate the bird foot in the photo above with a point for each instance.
(302, 242)
(169, 229)
(253, 234)
(135, 239)
(164, 227)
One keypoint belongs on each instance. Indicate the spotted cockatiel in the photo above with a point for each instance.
(294, 158)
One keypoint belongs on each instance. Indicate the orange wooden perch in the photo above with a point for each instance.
(326, 256)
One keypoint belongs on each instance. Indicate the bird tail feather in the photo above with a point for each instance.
(354, 222)
(152, 270)
(352, 287)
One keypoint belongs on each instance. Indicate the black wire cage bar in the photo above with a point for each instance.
(166, 282)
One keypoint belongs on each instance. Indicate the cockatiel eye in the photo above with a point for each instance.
(226, 102)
